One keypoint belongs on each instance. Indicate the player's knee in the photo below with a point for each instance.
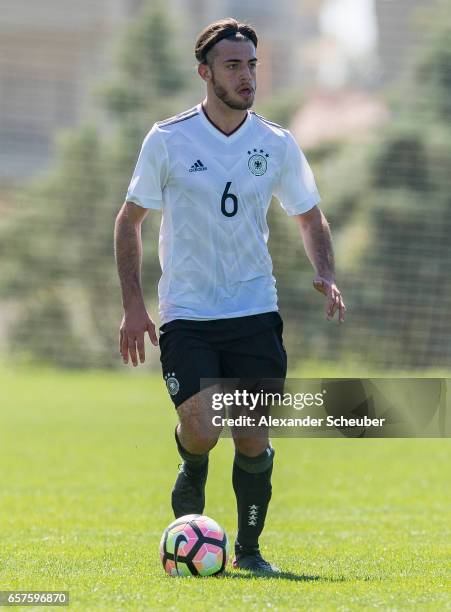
(251, 447)
(197, 442)
(202, 444)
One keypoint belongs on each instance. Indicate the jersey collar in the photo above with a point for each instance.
(211, 127)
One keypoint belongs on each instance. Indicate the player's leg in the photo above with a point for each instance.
(259, 356)
(195, 437)
(186, 357)
(253, 490)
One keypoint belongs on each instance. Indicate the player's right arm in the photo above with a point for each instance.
(128, 252)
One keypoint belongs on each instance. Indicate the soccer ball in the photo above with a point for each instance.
(194, 545)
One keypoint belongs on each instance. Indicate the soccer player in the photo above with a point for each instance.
(212, 171)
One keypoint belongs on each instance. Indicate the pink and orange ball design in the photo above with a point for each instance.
(194, 545)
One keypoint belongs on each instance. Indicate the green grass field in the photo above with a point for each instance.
(87, 465)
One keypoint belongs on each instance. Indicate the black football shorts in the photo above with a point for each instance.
(249, 347)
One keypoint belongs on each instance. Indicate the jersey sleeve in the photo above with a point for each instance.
(150, 175)
(296, 188)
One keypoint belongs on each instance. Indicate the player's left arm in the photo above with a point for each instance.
(315, 232)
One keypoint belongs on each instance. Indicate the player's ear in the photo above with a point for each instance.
(204, 71)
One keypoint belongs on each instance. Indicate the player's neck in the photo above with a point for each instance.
(225, 118)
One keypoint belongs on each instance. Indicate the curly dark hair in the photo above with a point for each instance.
(223, 28)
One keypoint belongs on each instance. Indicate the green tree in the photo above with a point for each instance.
(394, 250)
(63, 276)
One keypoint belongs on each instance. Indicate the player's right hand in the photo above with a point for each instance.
(135, 323)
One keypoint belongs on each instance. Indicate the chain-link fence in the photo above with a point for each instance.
(373, 120)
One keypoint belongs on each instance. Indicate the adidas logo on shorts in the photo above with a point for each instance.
(198, 166)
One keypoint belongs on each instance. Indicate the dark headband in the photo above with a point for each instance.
(221, 36)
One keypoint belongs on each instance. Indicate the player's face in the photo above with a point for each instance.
(233, 73)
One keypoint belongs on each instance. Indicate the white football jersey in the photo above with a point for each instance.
(214, 191)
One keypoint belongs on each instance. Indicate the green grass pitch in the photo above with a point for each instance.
(87, 465)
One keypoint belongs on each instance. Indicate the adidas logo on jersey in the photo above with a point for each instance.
(198, 166)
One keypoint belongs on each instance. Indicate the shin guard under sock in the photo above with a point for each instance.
(252, 485)
(194, 463)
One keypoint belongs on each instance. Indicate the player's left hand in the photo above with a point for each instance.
(334, 299)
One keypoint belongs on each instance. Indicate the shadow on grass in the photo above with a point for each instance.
(243, 575)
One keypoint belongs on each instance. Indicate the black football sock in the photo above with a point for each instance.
(194, 463)
(252, 485)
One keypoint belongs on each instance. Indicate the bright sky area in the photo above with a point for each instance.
(352, 23)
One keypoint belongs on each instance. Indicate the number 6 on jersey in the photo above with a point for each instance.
(229, 196)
